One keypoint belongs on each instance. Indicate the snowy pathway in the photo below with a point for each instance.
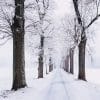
(58, 85)
(57, 89)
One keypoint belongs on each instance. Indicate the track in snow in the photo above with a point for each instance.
(57, 89)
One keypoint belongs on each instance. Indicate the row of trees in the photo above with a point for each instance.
(86, 13)
(14, 27)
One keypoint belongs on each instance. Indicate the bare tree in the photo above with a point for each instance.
(19, 80)
(42, 7)
(67, 63)
(50, 64)
(72, 60)
(13, 27)
(70, 29)
(5, 24)
(84, 23)
(74, 38)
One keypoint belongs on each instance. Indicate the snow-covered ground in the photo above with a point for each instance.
(93, 76)
(58, 85)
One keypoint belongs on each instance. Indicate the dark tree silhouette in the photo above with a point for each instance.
(83, 27)
(19, 80)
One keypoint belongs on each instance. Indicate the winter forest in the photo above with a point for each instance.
(49, 49)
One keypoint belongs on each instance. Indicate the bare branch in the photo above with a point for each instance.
(92, 21)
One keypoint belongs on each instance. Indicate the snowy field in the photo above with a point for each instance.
(58, 85)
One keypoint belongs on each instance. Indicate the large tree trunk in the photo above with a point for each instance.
(40, 68)
(82, 47)
(18, 47)
(67, 64)
(82, 44)
(71, 60)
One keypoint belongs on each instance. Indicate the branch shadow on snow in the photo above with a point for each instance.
(5, 93)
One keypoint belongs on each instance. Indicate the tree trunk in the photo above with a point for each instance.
(50, 65)
(46, 67)
(82, 44)
(82, 47)
(67, 64)
(40, 68)
(71, 60)
(19, 80)
(46, 70)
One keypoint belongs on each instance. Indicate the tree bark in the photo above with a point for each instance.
(82, 47)
(50, 68)
(50, 65)
(82, 44)
(72, 61)
(19, 80)
(40, 68)
(67, 64)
